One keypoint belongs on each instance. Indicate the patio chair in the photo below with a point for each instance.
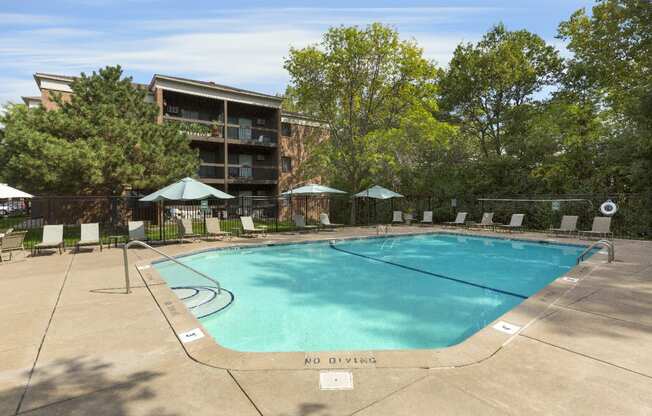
(325, 222)
(300, 223)
(184, 228)
(52, 238)
(397, 217)
(515, 223)
(427, 218)
(137, 231)
(11, 242)
(486, 221)
(90, 236)
(568, 225)
(249, 229)
(5, 232)
(213, 228)
(460, 219)
(601, 228)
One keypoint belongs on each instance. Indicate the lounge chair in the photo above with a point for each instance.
(52, 238)
(300, 223)
(248, 227)
(325, 222)
(184, 228)
(11, 242)
(427, 218)
(5, 232)
(397, 217)
(601, 228)
(486, 221)
(568, 225)
(515, 223)
(90, 236)
(137, 231)
(460, 219)
(213, 228)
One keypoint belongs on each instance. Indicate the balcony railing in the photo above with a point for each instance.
(197, 128)
(252, 135)
(257, 174)
(211, 172)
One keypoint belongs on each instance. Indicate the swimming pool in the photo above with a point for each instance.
(407, 292)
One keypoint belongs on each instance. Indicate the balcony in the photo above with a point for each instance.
(198, 129)
(252, 136)
(244, 174)
(211, 171)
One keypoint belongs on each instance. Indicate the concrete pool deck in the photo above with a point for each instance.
(73, 343)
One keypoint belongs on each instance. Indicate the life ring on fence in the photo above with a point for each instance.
(608, 208)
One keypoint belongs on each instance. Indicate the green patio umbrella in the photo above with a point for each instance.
(187, 189)
(312, 189)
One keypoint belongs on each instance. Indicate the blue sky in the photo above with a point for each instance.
(240, 43)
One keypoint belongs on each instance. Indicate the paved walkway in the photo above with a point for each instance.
(72, 343)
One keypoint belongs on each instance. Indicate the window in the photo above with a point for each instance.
(286, 164)
(286, 129)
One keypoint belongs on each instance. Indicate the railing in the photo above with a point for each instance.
(256, 173)
(605, 243)
(251, 135)
(172, 259)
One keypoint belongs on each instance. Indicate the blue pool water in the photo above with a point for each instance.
(426, 291)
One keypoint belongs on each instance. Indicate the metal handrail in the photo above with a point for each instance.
(605, 243)
(172, 259)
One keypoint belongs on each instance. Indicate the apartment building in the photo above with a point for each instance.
(247, 144)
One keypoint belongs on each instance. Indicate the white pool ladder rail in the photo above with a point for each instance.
(604, 243)
(172, 259)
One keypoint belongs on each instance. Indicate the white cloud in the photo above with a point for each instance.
(213, 47)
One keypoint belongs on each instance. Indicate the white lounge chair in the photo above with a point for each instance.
(300, 223)
(427, 218)
(11, 242)
(52, 238)
(184, 228)
(90, 236)
(214, 229)
(460, 219)
(515, 223)
(325, 221)
(248, 227)
(397, 217)
(568, 225)
(486, 221)
(137, 231)
(601, 228)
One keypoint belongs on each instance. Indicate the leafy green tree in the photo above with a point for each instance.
(612, 64)
(102, 140)
(360, 81)
(487, 82)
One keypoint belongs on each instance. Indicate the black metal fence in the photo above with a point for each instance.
(633, 219)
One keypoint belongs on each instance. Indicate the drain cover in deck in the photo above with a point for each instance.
(335, 380)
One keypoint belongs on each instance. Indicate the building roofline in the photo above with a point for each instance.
(68, 79)
(306, 117)
(214, 86)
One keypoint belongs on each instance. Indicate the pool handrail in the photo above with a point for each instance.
(605, 243)
(172, 259)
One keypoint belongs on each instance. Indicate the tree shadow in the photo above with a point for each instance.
(80, 386)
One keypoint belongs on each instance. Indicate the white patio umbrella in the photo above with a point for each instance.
(308, 190)
(187, 189)
(312, 189)
(377, 192)
(7, 192)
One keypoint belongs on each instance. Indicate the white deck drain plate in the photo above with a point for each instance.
(570, 279)
(506, 327)
(335, 380)
(190, 336)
